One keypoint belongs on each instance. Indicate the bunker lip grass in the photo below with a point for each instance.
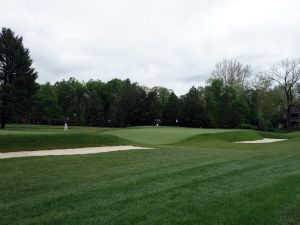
(262, 141)
(72, 151)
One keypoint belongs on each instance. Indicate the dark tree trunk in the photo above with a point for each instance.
(3, 113)
(288, 125)
(2, 121)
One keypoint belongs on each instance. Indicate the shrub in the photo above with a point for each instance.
(246, 126)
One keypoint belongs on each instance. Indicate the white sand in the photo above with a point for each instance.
(262, 141)
(73, 151)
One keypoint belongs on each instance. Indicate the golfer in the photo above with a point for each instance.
(66, 127)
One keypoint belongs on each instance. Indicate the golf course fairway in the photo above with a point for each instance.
(190, 176)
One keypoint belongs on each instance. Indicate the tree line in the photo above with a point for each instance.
(232, 97)
(124, 103)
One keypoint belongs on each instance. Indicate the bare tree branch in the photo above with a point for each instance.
(287, 75)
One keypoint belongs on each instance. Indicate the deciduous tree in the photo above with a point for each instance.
(287, 75)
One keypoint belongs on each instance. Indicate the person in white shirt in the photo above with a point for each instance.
(66, 127)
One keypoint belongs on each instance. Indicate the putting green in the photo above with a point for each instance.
(161, 135)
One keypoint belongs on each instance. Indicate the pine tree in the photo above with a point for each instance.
(17, 77)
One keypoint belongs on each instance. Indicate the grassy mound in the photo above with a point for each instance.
(227, 139)
(22, 142)
(161, 135)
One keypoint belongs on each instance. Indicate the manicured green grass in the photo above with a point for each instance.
(204, 179)
(226, 140)
(42, 129)
(12, 143)
(161, 135)
(33, 137)
(18, 138)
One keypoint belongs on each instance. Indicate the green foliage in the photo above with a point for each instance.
(95, 113)
(225, 102)
(45, 106)
(226, 106)
(172, 111)
(110, 91)
(17, 77)
(192, 109)
(71, 99)
(163, 94)
(153, 108)
(246, 126)
(213, 103)
(123, 103)
(128, 107)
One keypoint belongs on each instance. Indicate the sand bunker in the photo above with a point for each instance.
(73, 151)
(262, 141)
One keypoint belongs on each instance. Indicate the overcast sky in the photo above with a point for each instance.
(172, 43)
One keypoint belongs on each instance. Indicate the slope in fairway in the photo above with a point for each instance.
(160, 135)
(33, 137)
(184, 183)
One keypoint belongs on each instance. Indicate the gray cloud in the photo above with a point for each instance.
(173, 43)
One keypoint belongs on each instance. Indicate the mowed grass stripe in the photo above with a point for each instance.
(134, 189)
